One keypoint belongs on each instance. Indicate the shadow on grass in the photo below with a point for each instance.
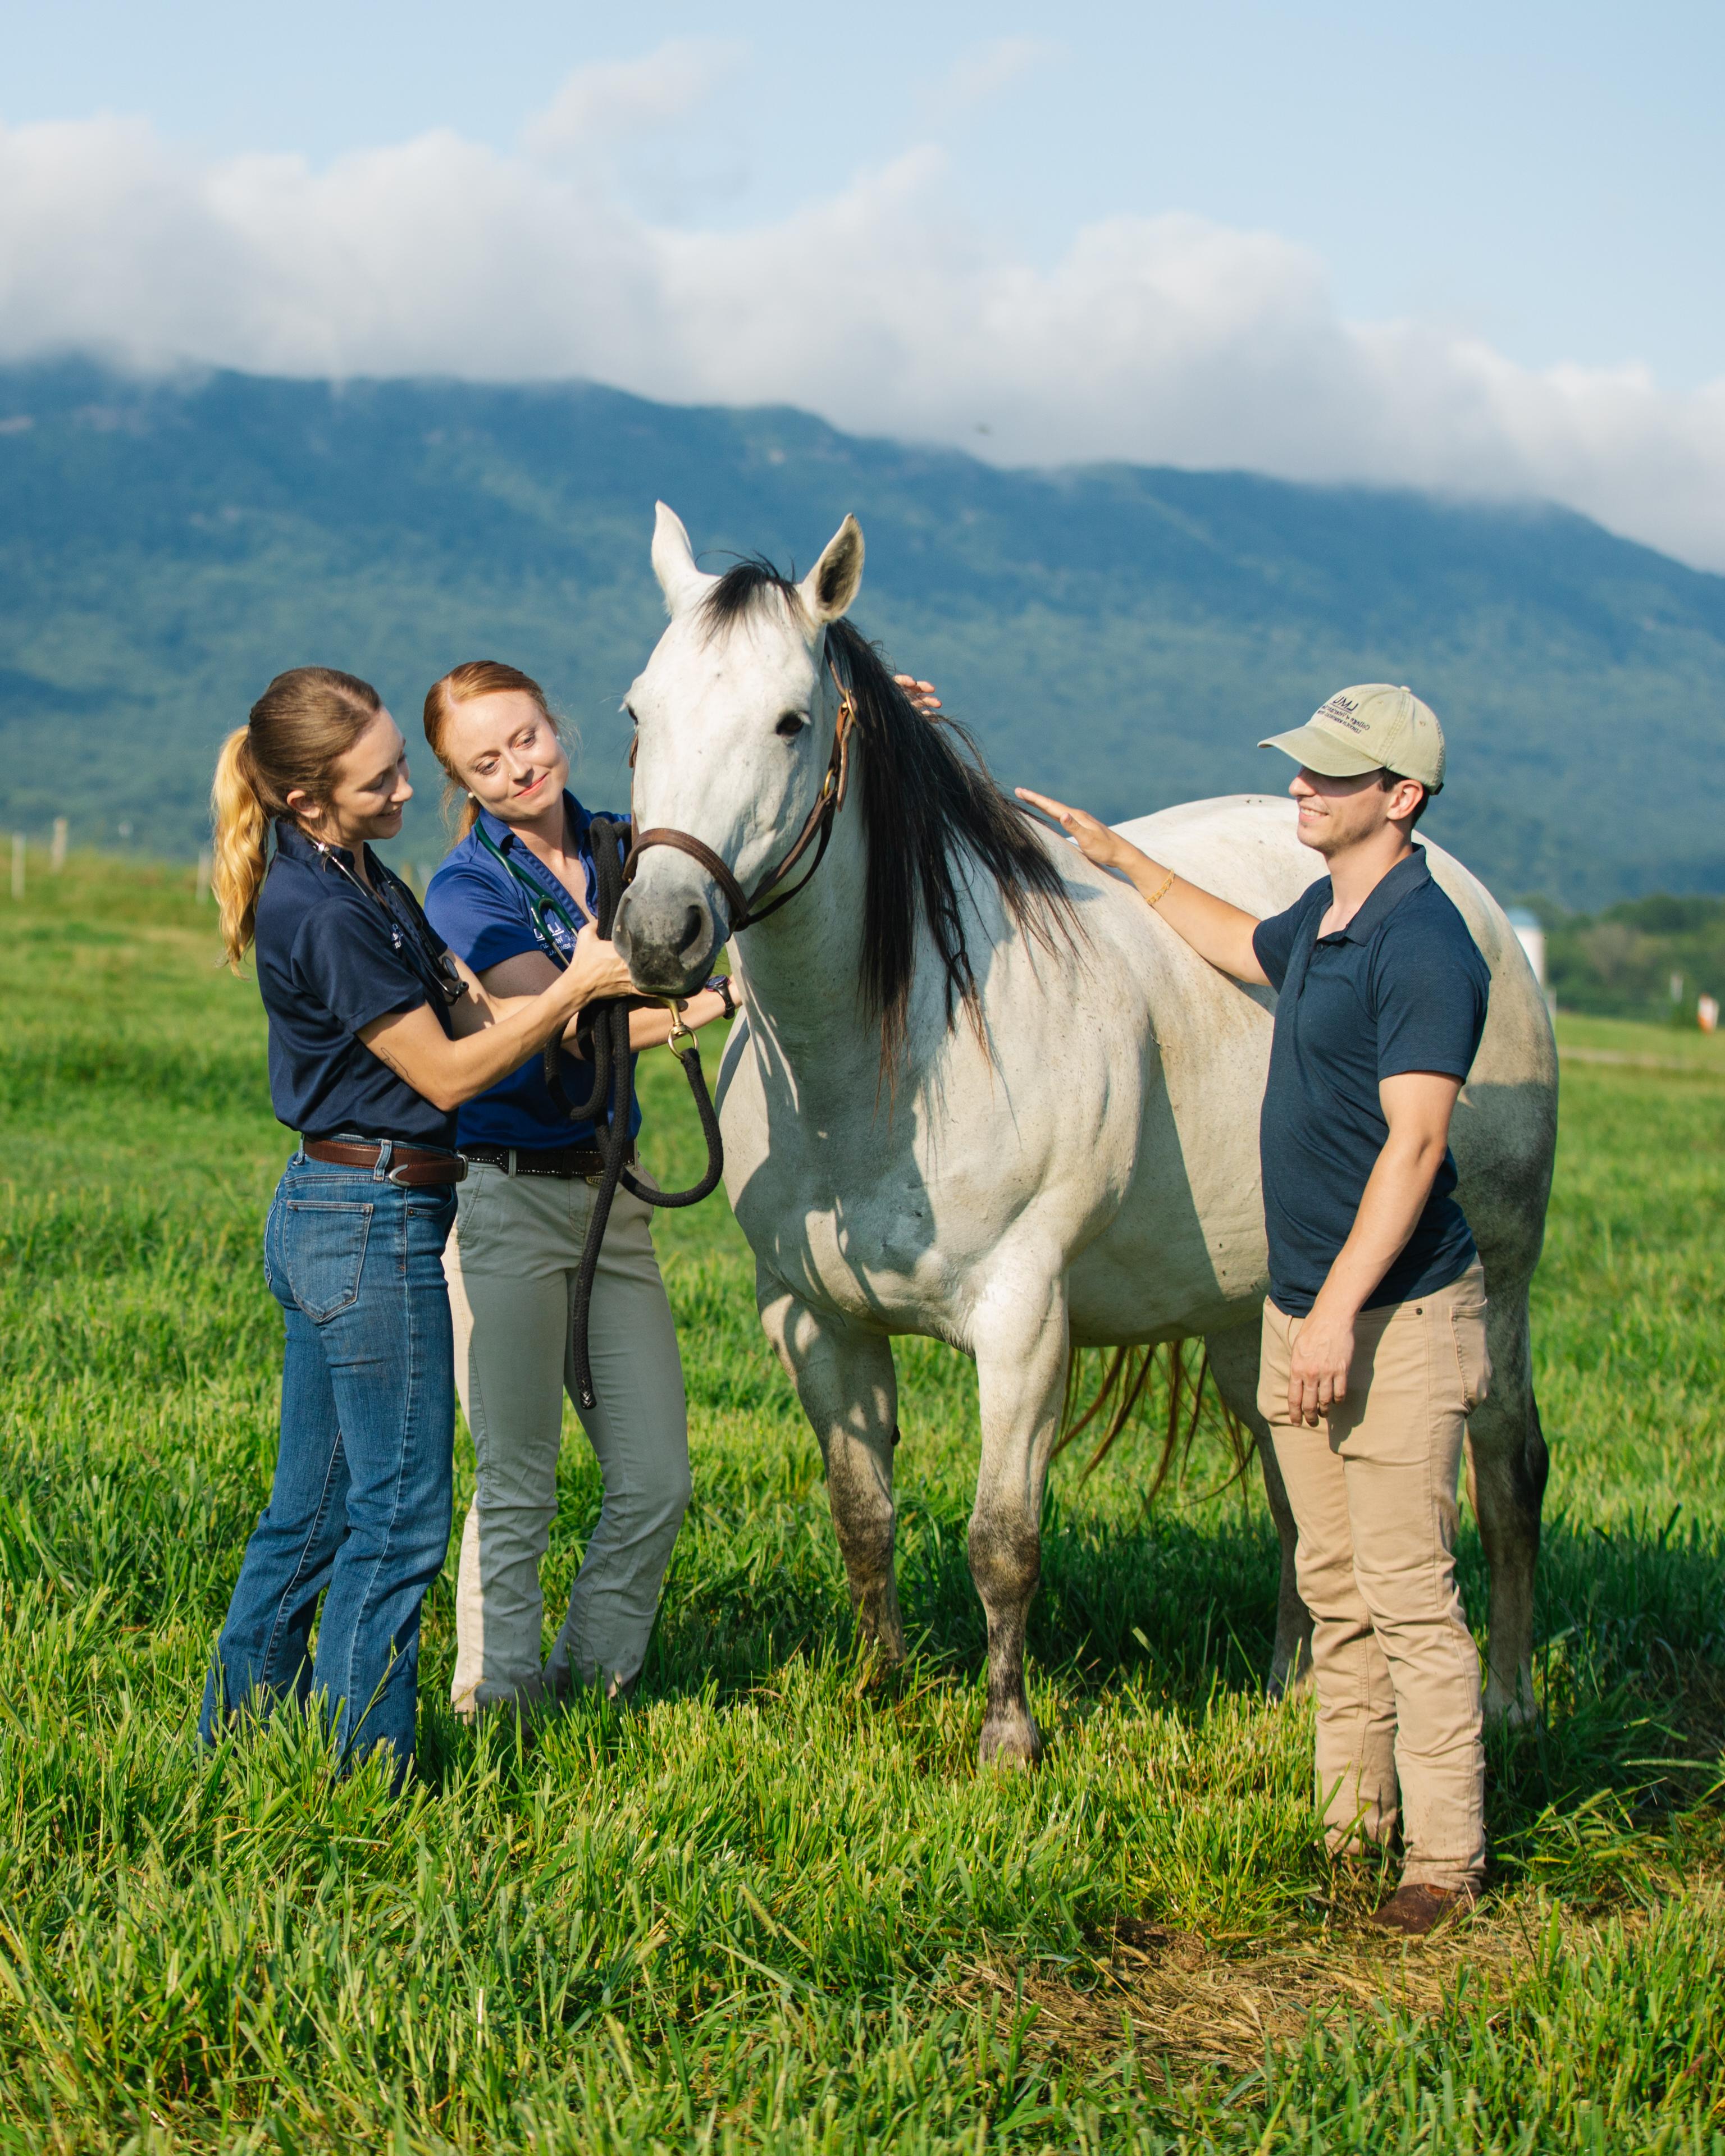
(1630, 1658)
(1190, 1602)
(1630, 1662)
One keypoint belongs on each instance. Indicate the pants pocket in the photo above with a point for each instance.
(324, 1252)
(475, 1193)
(1274, 1362)
(1467, 1329)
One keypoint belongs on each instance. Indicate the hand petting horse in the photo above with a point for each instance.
(982, 1093)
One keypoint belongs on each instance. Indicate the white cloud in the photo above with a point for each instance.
(1164, 339)
(985, 70)
(609, 99)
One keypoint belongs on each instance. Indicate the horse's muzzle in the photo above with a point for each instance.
(667, 935)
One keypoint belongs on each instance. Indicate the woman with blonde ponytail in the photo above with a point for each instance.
(241, 824)
(377, 1034)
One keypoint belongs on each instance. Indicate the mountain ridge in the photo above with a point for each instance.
(1122, 634)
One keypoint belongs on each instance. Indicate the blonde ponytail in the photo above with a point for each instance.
(299, 729)
(241, 824)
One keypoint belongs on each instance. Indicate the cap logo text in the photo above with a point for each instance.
(1344, 712)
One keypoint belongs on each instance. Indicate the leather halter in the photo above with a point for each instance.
(743, 907)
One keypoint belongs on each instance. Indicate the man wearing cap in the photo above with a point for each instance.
(1374, 1328)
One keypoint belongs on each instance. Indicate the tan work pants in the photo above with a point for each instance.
(511, 1264)
(1374, 1493)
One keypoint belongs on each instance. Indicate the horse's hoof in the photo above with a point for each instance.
(1292, 1684)
(878, 1663)
(1014, 1743)
(1507, 1710)
(885, 1647)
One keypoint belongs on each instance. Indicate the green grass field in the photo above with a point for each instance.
(774, 1907)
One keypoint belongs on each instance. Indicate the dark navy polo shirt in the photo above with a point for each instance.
(1402, 988)
(481, 912)
(330, 960)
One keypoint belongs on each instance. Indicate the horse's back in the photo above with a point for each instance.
(1246, 847)
(1242, 846)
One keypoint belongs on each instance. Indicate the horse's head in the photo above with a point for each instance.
(734, 716)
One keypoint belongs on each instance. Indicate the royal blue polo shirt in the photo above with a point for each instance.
(480, 911)
(331, 959)
(1402, 988)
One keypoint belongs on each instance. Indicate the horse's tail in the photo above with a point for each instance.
(1178, 1403)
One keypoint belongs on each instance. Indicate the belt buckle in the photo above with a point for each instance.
(401, 1177)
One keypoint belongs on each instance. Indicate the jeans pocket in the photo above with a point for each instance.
(272, 1248)
(323, 1248)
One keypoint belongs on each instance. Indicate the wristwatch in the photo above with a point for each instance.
(720, 984)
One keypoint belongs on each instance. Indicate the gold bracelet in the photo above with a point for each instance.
(1163, 891)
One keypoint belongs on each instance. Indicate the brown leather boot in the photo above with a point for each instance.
(1414, 1910)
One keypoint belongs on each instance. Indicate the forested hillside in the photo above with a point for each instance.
(1124, 635)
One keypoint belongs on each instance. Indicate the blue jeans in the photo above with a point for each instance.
(359, 1510)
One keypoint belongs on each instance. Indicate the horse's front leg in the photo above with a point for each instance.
(846, 1380)
(1018, 1336)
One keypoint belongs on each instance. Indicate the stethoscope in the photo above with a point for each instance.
(410, 936)
(540, 901)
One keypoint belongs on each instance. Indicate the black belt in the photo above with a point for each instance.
(567, 1162)
(414, 1166)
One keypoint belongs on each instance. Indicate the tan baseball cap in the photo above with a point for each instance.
(1374, 728)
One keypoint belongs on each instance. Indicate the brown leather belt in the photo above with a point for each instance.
(415, 1167)
(567, 1162)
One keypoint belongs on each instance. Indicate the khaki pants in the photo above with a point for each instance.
(1374, 1493)
(511, 1266)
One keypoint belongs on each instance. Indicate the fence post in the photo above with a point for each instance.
(57, 851)
(17, 864)
(203, 870)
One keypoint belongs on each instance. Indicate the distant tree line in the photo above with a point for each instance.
(1643, 959)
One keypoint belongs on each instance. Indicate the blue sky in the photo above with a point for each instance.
(1385, 241)
(1552, 177)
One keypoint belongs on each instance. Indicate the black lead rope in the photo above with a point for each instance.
(604, 1033)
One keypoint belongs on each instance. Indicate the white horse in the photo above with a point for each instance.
(982, 1093)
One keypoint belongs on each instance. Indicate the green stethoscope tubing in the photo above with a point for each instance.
(540, 901)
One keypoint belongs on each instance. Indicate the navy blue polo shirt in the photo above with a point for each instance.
(331, 960)
(1402, 988)
(480, 910)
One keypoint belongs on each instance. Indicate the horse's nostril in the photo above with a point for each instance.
(694, 928)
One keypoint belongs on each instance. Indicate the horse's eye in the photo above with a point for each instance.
(630, 713)
(790, 725)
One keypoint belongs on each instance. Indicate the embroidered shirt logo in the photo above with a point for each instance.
(1342, 711)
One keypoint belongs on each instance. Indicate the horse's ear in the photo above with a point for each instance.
(834, 581)
(674, 562)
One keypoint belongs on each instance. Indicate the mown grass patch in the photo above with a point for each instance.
(775, 1907)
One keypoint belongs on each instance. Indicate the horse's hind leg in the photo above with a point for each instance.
(1234, 1364)
(846, 1380)
(1506, 1467)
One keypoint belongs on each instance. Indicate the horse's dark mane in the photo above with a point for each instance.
(928, 805)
